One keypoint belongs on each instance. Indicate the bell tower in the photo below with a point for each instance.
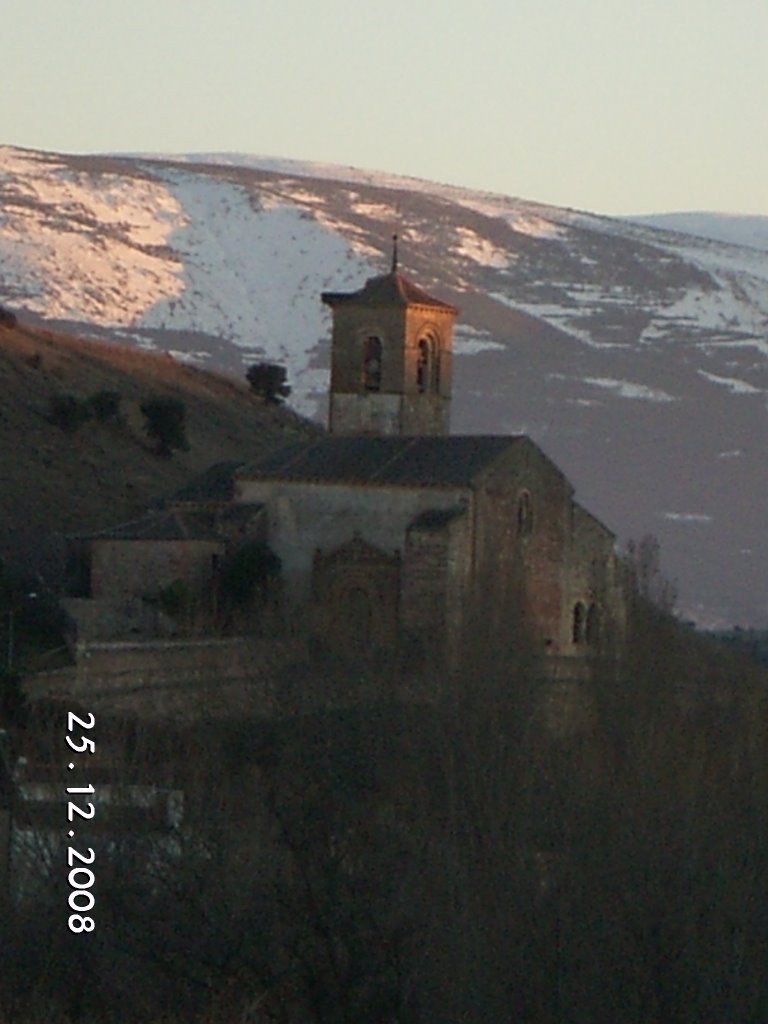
(391, 356)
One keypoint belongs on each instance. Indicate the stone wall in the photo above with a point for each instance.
(121, 568)
(594, 581)
(437, 571)
(519, 566)
(182, 677)
(305, 517)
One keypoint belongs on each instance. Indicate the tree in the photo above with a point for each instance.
(165, 424)
(643, 562)
(248, 573)
(7, 318)
(268, 380)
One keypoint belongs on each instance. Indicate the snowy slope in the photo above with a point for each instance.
(637, 358)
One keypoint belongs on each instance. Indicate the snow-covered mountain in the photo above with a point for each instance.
(636, 357)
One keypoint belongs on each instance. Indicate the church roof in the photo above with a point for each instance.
(425, 461)
(392, 289)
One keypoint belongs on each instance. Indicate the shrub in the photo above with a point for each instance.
(7, 318)
(268, 380)
(165, 418)
(13, 703)
(105, 405)
(176, 599)
(68, 412)
(248, 572)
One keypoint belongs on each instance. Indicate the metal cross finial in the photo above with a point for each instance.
(394, 253)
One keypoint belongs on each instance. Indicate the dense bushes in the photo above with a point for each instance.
(165, 424)
(7, 318)
(462, 861)
(70, 412)
(268, 380)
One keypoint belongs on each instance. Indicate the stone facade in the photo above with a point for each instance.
(490, 535)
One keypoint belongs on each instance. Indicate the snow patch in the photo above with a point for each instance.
(468, 341)
(629, 389)
(687, 517)
(480, 250)
(736, 387)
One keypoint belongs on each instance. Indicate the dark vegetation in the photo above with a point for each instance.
(7, 318)
(268, 381)
(166, 424)
(753, 642)
(519, 852)
(70, 412)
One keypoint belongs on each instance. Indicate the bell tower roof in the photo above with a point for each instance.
(392, 289)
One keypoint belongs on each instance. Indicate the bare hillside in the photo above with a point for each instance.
(54, 481)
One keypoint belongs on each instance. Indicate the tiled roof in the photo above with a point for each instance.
(393, 289)
(215, 484)
(169, 524)
(405, 461)
(436, 518)
(239, 515)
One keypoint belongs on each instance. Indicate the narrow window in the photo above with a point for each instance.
(423, 366)
(579, 623)
(372, 364)
(524, 514)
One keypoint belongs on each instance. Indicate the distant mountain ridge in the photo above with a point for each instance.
(732, 228)
(636, 357)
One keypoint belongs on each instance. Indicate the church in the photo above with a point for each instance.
(390, 532)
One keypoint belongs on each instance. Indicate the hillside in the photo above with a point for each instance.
(635, 357)
(55, 482)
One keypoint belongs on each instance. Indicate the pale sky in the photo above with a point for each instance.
(603, 105)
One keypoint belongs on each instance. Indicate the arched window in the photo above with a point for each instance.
(592, 630)
(423, 366)
(579, 623)
(524, 514)
(372, 363)
(428, 365)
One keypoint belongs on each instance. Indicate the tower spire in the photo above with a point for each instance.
(394, 253)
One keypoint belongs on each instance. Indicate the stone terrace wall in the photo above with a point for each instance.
(182, 678)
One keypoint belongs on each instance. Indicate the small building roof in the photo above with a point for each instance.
(404, 461)
(215, 484)
(166, 524)
(392, 289)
